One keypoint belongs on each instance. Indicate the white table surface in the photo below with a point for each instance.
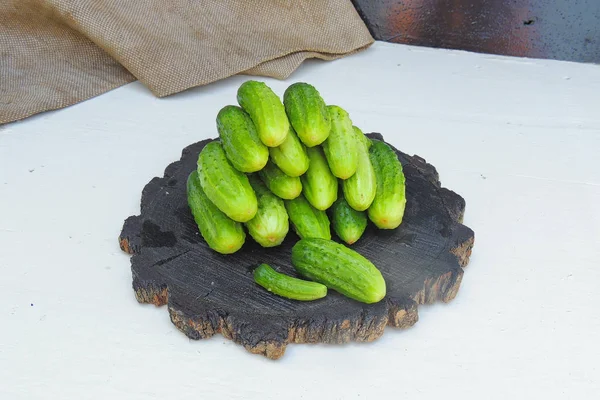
(518, 139)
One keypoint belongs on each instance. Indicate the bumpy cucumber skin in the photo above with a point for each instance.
(319, 186)
(341, 147)
(307, 113)
(270, 225)
(387, 208)
(339, 268)
(278, 182)
(287, 286)
(221, 233)
(308, 222)
(362, 137)
(290, 156)
(224, 185)
(240, 140)
(348, 223)
(361, 187)
(266, 110)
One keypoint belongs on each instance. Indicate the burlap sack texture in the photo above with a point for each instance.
(54, 53)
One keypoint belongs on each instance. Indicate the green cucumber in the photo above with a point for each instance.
(270, 225)
(278, 182)
(224, 185)
(221, 233)
(319, 186)
(290, 156)
(364, 138)
(266, 110)
(339, 268)
(307, 113)
(240, 140)
(308, 222)
(387, 208)
(348, 223)
(341, 144)
(361, 187)
(287, 286)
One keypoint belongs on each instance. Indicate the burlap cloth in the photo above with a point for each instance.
(54, 53)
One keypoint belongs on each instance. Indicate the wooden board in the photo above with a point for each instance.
(208, 293)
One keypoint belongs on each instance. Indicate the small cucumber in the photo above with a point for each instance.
(266, 110)
(224, 185)
(341, 144)
(221, 233)
(364, 138)
(270, 224)
(387, 208)
(307, 113)
(287, 286)
(307, 221)
(240, 140)
(278, 182)
(319, 185)
(339, 268)
(348, 223)
(361, 187)
(290, 156)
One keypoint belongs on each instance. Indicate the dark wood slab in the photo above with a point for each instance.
(208, 293)
(553, 29)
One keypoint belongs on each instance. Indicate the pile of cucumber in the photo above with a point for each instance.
(302, 161)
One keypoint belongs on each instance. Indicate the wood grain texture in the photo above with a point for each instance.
(208, 293)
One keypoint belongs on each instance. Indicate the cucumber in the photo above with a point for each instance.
(308, 222)
(287, 286)
(307, 113)
(240, 140)
(266, 110)
(270, 224)
(278, 182)
(364, 138)
(341, 144)
(348, 223)
(224, 185)
(387, 208)
(360, 188)
(339, 268)
(319, 186)
(221, 233)
(290, 156)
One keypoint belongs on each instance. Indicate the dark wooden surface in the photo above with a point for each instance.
(556, 29)
(207, 293)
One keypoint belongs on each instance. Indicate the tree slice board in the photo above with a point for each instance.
(209, 293)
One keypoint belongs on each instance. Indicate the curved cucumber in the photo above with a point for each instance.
(240, 140)
(361, 187)
(341, 147)
(266, 110)
(290, 156)
(387, 208)
(224, 185)
(319, 185)
(307, 113)
(348, 223)
(278, 182)
(287, 286)
(220, 232)
(307, 221)
(339, 268)
(270, 224)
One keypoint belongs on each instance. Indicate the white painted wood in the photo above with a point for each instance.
(518, 138)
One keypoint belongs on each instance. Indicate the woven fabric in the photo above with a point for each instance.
(54, 53)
